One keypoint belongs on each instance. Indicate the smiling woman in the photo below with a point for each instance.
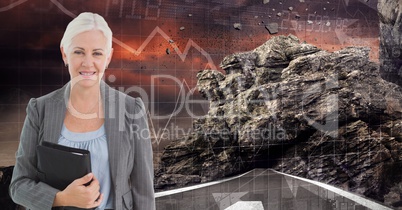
(87, 114)
(87, 57)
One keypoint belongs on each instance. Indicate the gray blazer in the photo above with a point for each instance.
(129, 145)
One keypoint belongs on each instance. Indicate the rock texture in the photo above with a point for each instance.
(390, 13)
(300, 110)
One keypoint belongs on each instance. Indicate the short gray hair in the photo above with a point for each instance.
(87, 21)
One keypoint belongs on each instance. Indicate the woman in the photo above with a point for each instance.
(88, 114)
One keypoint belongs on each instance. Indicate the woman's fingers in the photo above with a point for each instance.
(79, 194)
(85, 179)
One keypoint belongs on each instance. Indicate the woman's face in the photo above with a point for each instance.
(87, 58)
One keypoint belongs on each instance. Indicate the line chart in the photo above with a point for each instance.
(157, 30)
(181, 54)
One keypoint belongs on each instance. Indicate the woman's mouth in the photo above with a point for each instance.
(87, 73)
(91, 75)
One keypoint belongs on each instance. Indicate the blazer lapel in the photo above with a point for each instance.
(55, 111)
(111, 127)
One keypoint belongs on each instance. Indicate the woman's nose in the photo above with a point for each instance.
(87, 61)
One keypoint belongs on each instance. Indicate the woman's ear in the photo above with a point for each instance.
(109, 58)
(63, 56)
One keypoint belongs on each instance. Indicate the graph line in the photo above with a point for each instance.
(12, 5)
(63, 9)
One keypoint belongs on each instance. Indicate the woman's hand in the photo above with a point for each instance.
(77, 194)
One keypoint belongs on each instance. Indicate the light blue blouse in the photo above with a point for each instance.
(96, 143)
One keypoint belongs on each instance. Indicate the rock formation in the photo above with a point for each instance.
(390, 13)
(300, 110)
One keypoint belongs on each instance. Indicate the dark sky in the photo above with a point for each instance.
(201, 34)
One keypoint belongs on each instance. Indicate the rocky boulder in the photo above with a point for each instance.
(326, 116)
(390, 13)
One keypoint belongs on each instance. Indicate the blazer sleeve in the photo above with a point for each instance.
(143, 172)
(24, 189)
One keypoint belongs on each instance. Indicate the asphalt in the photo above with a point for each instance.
(263, 189)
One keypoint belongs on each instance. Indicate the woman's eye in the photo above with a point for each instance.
(78, 52)
(97, 53)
